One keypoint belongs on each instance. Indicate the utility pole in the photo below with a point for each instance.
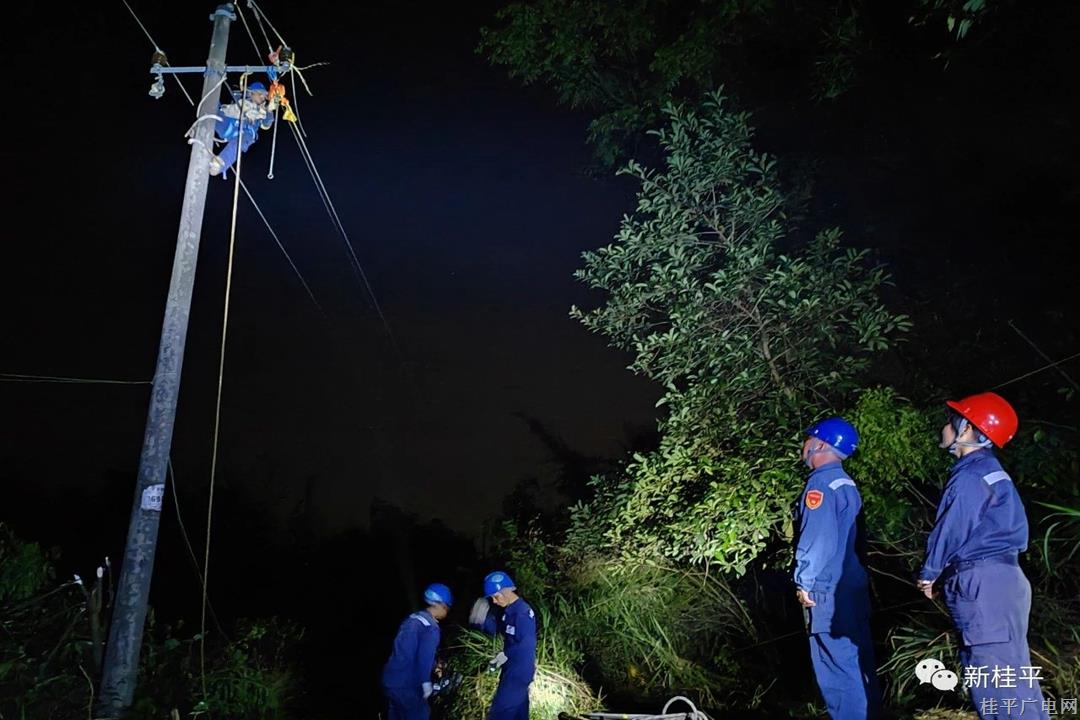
(129, 611)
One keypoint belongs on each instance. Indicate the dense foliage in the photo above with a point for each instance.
(52, 642)
(665, 577)
(751, 334)
(622, 61)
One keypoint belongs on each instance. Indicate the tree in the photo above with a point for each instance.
(751, 331)
(620, 62)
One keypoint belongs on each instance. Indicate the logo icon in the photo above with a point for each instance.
(813, 499)
(933, 671)
(945, 680)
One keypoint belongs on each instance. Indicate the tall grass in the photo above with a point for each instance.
(652, 631)
(556, 688)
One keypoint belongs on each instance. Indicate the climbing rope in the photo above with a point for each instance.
(273, 147)
(220, 384)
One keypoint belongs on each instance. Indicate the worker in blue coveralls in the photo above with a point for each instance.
(831, 583)
(406, 677)
(972, 557)
(516, 622)
(258, 115)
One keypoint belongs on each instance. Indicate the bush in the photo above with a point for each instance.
(252, 677)
(46, 660)
(51, 644)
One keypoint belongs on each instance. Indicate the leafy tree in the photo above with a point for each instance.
(620, 62)
(745, 327)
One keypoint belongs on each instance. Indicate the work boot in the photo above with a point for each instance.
(216, 165)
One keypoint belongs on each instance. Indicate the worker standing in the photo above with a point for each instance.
(515, 621)
(406, 677)
(972, 556)
(831, 583)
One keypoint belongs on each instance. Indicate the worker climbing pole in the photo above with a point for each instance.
(120, 668)
(236, 125)
(129, 610)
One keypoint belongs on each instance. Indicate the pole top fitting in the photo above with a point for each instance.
(225, 10)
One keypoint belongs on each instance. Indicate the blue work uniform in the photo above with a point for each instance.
(827, 566)
(410, 666)
(517, 625)
(980, 530)
(239, 139)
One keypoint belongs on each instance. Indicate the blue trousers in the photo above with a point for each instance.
(990, 602)
(842, 653)
(406, 704)
(511, 701)
(227, 130)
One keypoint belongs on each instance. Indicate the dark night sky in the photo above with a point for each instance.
(463, 199)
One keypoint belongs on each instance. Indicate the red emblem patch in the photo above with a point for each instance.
(814, 498)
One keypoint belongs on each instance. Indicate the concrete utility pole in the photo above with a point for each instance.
(129, 612)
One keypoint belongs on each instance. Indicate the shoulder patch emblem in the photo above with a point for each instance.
(814, 498)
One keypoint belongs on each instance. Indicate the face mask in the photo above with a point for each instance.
(959, 425)
(808, 460)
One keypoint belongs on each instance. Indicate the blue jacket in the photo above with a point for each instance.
(826, 556)
(413, 658)
(256, 117)
(980, 515)
(517, 624)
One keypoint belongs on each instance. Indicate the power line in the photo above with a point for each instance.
(141, 26)
(190, 549)
(156, 48)
(1044, 356)
(247, 27)
(285, 252)
(259, 13)
(21, 377)
(1037, 371)
(340, 227)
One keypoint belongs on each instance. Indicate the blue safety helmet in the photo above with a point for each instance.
(497, 581)
(438, 593)
(838, 432)
(256, 87)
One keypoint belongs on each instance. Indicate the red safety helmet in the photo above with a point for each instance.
(990, 413)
